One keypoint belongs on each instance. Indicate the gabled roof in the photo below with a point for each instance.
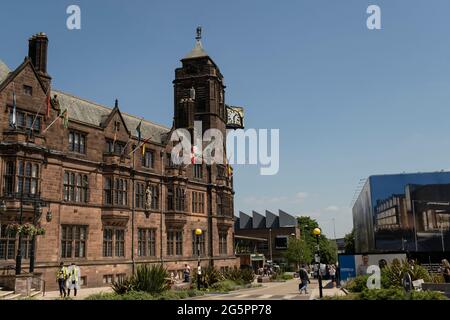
(4, 71)
(88, 112)
(111, 115)
(11, 75)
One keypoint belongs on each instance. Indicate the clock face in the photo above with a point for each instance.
(234, 118)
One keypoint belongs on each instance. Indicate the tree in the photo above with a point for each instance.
(328, 249)
(298, 252)
(349, 242)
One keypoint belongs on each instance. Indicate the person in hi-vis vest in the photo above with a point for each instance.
(61, 278)
(74, 279)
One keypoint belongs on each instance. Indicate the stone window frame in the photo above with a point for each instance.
(24, 120)
(74, 241)
(198, 202)
(27, 90)
(147, 242)
(197, 171)
(77, 145)
(9, 242)
(148, 159)
(175, 242)
(116, 192)
(223, 243)
(112, 247)
(75, 187)
(202, 240)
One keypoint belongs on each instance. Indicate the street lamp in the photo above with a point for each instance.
(270, 246)
(198, 233)
(317, 232)
(37, 216)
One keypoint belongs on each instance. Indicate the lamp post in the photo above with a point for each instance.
(270, 246)
(414, 222)
(37, 216)
(19, 247)
(317, 232)
(198, 233)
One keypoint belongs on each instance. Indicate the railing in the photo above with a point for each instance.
(36, 283)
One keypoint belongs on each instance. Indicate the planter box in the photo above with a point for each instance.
(263, 279)
(442, 287)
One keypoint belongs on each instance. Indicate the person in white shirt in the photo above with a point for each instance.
(73, 279)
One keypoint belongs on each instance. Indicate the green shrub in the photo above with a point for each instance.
(239, 276)
(357, 284)
(169, 295)
(233, 274)
(224, 286)
(151, 279)
(103, 296)
(123, 286)
(383, 294)
(427, 295)
(287, 276)
(392, 276)
(247, 275)
(210, 275)
(136, 295)
(194, 292)
(437, 278)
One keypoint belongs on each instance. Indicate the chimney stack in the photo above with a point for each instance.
(37, 52)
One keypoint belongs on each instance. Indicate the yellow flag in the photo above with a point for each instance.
(143, 149)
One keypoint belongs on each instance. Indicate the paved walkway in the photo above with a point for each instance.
(277, 291)
(327, 290)
(269, 291)
(81, 294)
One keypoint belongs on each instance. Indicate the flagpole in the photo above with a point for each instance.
(14, 118)
(140, 145)
(53, 122)
(36, 115)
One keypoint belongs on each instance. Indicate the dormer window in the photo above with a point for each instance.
(28, 90)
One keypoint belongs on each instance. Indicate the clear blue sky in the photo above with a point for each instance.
(349, 102)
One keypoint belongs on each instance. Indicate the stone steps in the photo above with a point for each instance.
(12, 296)
(4, 294)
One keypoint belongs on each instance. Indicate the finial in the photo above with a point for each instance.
(199, 33)
(116, 104)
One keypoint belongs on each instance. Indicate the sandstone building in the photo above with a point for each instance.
(103, 206)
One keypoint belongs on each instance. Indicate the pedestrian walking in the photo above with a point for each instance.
(61, 279)
(74, 279)
(187, 273)
(304, 280)
(446, 270)
(332, 271)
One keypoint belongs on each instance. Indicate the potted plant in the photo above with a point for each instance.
(26, 229)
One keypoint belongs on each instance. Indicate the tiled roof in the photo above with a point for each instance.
(94, 114)
(4, 71)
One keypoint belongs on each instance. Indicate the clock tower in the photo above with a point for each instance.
(199, 91)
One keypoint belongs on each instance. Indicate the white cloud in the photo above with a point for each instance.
(332, 208)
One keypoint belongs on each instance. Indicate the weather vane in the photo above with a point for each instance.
(199, 33)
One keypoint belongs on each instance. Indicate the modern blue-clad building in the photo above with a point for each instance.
(403, 212)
